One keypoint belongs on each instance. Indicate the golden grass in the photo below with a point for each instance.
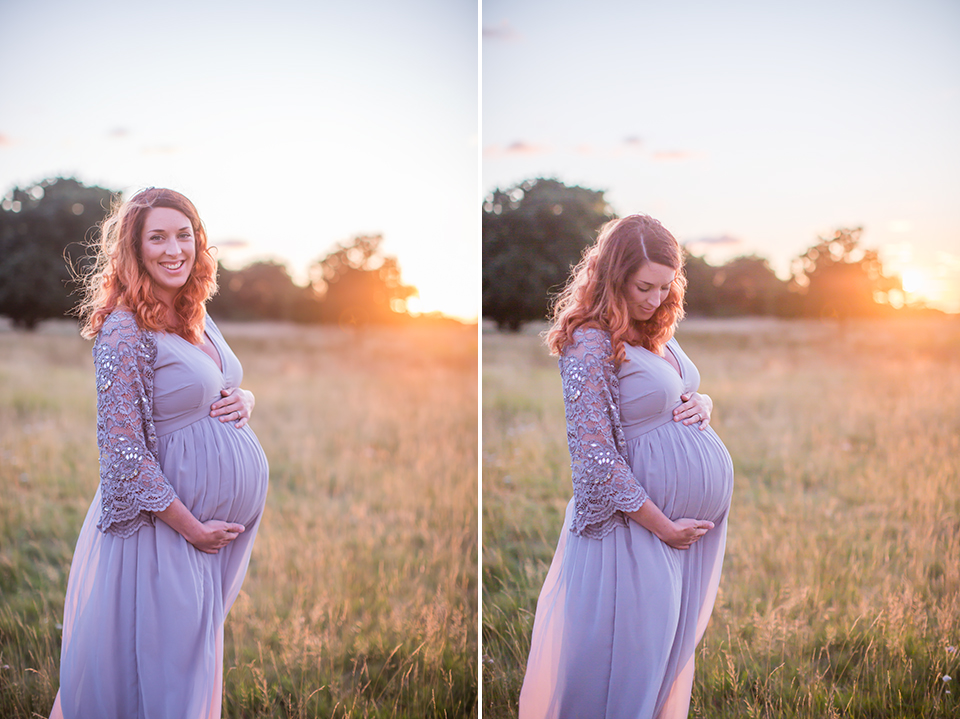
(841, 587)
(361, 595)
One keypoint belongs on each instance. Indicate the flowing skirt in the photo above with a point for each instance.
(617, 623)
(143, 618)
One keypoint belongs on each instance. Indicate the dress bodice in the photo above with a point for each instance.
(188, 381)
(650, 387)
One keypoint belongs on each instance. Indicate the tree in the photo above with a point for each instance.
(41, 226)
(263, 291)
(701, 297)
(533, 233)
(747, 285)
(838, 279)
(358, 285)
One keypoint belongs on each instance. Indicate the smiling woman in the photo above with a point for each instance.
(168, 250)
(146, 600)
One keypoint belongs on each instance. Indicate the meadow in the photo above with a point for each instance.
(361, 598)
(841, 588)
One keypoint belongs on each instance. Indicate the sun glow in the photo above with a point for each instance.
(929, 278)
(915, 281)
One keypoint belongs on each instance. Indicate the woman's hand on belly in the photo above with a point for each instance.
(236, 406)
(216, 535)
(679, 533)
(210, 536)
(696, 407)
(685, 532)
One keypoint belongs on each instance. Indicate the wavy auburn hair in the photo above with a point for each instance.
(118, 277)
(594, 294)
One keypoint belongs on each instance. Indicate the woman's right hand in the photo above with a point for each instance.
(214, 534)
(682, 533)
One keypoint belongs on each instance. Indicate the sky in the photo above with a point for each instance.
(292, 125)
(745, 127)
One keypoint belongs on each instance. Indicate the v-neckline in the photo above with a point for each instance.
(213, 344)
(678, 369)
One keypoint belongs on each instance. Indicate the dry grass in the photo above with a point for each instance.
(841, 588)
(361, 595)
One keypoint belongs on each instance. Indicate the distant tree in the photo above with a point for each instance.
(357, 284)
(701, 298)
(836, 278)
(263, 291)
(747, 285)
(533, 233)
(40, 226)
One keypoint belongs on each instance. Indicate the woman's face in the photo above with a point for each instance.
(646, 290)
(169, 249)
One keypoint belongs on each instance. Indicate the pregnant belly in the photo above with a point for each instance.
(686, 472)
(217, 470)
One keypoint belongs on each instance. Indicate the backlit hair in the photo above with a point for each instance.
(594, 294)
(119, 279)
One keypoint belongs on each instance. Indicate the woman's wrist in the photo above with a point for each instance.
(181, 520)
(650, 517)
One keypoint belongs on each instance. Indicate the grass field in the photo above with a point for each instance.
(361, 599)
(841, 587)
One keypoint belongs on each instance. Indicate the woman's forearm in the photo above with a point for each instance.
(650, 517)
(679, 534)
(182, 520)
(210, 536)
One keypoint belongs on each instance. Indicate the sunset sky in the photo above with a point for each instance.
(745, 127)
(291, 125)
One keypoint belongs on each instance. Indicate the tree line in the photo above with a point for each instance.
(534, 232)
(45, 234)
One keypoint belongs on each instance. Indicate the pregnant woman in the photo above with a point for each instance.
(165, 545)
(636, 571)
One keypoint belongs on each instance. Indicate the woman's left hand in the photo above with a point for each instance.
(236, 406)
(696, 407)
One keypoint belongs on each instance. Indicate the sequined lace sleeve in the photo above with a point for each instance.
(603, 484)
(132, 485)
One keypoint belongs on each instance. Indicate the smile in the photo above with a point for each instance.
(172, 266)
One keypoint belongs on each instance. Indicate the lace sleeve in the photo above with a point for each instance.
(603, 483)
(132, 485)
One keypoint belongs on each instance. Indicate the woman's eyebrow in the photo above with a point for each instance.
(161, 231)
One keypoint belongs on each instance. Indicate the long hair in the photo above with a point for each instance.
(118, 277)
(594, 294)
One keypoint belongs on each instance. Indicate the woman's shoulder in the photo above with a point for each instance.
(587, 337)
(208, 323)
(120, 329)
(121, 321)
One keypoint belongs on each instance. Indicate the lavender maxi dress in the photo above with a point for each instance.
(144, 611)
(621, 612)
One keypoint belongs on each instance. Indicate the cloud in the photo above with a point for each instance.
(502, 32)
(515, 148)
(674, 155)
(118, 133)
(633, 142)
